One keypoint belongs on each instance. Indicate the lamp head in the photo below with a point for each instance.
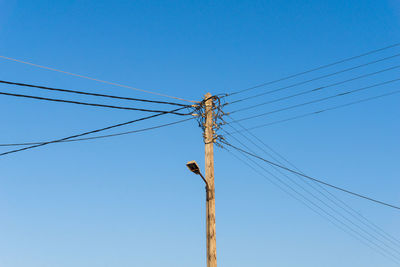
(193, 167)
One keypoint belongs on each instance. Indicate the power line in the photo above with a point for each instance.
(87, 133)
(323, 210)
(371, 225)
(311, 178)
(324, 193)
(316, 100)
(321, 111)
(304, 82)
(97, 80)
(315, 69)
(91, 94)
(347, 229)
(101, 136)
(88, 104)
(312, 90)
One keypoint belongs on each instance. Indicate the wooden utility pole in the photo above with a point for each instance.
(210, 189)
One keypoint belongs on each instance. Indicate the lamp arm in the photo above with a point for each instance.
(204, 179)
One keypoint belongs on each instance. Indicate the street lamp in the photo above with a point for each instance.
(193, 167)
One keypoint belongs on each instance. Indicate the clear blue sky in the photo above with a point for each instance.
(130, 201)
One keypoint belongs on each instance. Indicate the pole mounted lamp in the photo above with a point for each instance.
(193, 167)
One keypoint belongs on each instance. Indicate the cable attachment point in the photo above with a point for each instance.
(215, 107)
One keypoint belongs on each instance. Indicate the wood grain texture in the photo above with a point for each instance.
(209, 162)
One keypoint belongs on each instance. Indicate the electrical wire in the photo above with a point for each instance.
(88, 104)
(315, 69)
(355, 214)
(309, 91)
(101, 136)
(300, 83)
(313, 179)
(323, 210)
(97, 80)
(325, 193)
(87, 133)
(90, 94)
(316, 100)
(326, 215)
(322, 110)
